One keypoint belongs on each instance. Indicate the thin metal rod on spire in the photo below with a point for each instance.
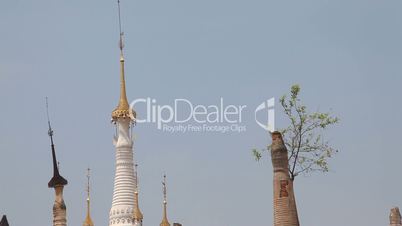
(50, 132)
(121, 44)
(88, 220)
(88, 178)
(165, 221)
(118, 3)
(164, 188)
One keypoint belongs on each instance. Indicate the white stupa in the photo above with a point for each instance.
(125, 194)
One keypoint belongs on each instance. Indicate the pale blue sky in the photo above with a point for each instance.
(346, 55)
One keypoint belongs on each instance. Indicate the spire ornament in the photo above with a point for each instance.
(137, 215)
(123, 109)
(123, 203)
(57, 182)
(165, 221)
(57, 179)
(88, 221)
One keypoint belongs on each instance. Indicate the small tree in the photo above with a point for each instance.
(308, 150)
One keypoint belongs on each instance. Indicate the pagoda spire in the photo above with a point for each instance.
(122, 210)
(57, 182)
(3, 221)
(165, 221)
(137, 215)
(88, 220)
(123, 109)
(57, 179)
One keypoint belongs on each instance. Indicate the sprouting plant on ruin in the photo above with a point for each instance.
(308, 150)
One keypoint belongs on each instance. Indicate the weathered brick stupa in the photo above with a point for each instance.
(395, 217)
(285, 211)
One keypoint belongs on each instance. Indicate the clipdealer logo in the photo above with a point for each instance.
(181, 115)
(269, 107)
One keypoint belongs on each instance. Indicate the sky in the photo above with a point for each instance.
(345, 55)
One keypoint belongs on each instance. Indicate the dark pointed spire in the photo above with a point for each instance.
(57, 179)
(4, 221)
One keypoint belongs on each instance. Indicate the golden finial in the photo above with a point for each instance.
(123, 109)
(137, 215)
(88, 220)
(165, 221)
